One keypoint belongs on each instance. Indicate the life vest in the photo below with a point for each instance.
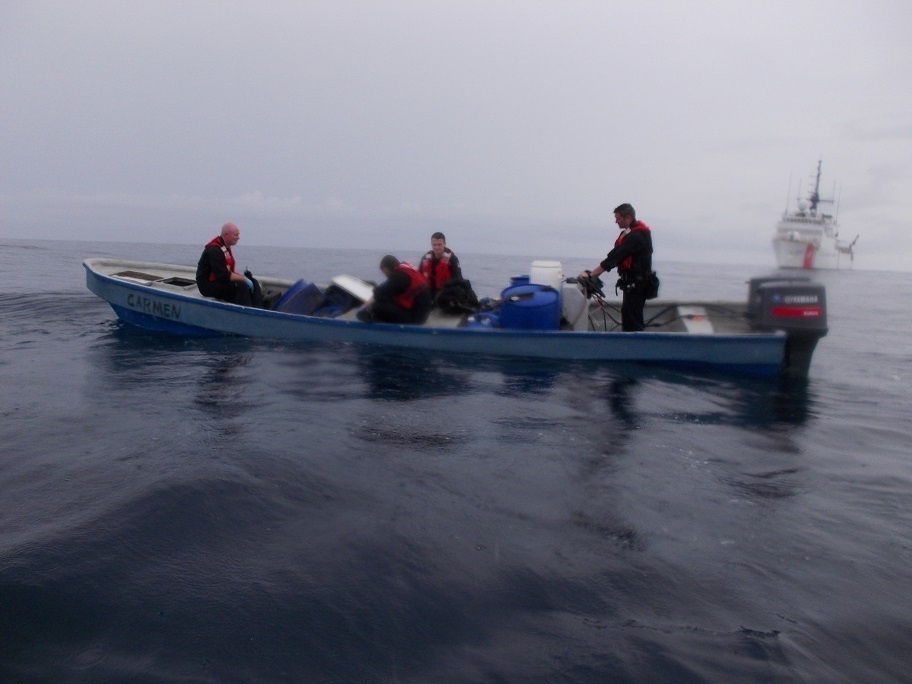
(437, 271)
(417, 282)
(627, 262)
(217, 241)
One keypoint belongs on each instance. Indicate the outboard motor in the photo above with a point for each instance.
(796, 306)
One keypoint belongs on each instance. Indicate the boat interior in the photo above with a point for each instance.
(344, 294)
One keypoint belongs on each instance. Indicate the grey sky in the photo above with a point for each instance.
(511, 125)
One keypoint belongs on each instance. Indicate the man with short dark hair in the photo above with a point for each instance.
(404, 297)
(215, 274)
(632, 255)
(439, 265)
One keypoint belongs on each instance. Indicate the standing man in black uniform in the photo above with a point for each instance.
(632, 255)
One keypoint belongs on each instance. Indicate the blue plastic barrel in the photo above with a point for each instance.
(530, 307)
(484, 321)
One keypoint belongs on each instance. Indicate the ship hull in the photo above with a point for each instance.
(808, 254)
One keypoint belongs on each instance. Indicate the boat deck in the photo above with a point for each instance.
(703, 318)
(167, 277)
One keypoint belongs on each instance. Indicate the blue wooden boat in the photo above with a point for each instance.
(773, 332)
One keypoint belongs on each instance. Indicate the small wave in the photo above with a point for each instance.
(44, 307)
(409, 438)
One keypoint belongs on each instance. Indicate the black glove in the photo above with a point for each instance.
(591, 286)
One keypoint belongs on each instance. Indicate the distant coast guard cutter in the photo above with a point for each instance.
(810, 240)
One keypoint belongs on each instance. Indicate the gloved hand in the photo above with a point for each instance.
(591, 284)
(249, 283)
(248, 274)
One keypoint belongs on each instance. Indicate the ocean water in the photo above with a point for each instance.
(233, 510)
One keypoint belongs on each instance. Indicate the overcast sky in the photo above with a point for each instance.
(510, 125)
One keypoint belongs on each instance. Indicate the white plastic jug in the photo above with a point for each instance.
(547, 273)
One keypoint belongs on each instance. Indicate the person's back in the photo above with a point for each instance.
(211, 261)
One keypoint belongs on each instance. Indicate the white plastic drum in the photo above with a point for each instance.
(548, 273)
(574, 307)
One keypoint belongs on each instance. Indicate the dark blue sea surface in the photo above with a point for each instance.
(235, 510)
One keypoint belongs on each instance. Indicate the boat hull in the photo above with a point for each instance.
(182, 314)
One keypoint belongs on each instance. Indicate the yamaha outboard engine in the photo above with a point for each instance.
(796, 306)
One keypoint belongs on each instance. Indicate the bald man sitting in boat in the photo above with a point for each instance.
(215, 274)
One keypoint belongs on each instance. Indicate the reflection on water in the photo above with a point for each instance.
(528, 381)
(129, 358)
(408, 376)
(737, 401)
(222, 383)
(155, 378)
(621, 398)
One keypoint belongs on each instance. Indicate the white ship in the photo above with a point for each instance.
(807, 239)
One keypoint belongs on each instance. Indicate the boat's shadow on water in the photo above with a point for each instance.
(732, 400)
(327, 371)
(736, 401)
(407, 375)
(403, 376)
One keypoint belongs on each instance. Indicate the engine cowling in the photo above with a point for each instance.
(796, 306)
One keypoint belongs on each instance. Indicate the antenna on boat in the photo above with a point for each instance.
(838, 199)
(787, 195)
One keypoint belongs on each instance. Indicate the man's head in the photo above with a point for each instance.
(438, 244)
(624, 216)
(388, 263)
(231, 234)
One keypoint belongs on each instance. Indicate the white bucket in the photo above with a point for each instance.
(547, 273)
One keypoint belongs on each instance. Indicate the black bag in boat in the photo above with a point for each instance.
(256, 296)
(651, 285)
(457, 296)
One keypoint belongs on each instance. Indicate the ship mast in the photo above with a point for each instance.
(815, 196)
